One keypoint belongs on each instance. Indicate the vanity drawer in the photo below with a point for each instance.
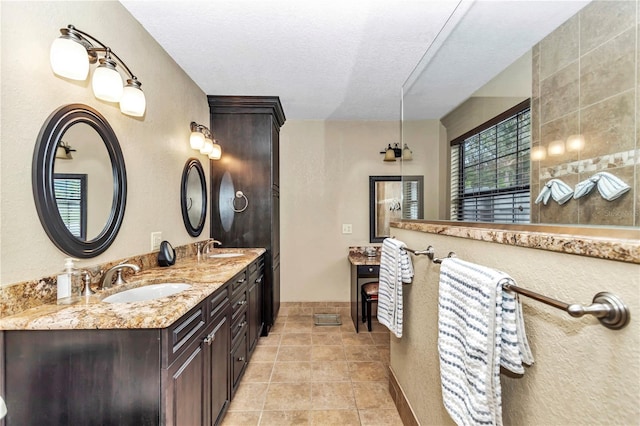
(184, 331)
(239, 326)
(218, 301)
(239, 302)
(238, 283)
(238, 362)
(368, 271)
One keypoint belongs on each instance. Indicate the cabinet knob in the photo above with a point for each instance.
(242, 324)
(210, 338)
(241, 359)
(240, 281)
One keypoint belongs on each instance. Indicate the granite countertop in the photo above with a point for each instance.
(80, 312)
(358, 256)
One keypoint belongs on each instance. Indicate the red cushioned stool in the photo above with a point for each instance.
(369, 294)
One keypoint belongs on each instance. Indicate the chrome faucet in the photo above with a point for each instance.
(107, 279)
(210, 243)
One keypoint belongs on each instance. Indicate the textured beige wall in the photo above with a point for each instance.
(155, 148)
(324, 182)
(584, 373)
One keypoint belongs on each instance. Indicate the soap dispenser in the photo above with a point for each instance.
(65, 280)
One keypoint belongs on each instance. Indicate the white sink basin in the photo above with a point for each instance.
(147, 292)
(224, 255)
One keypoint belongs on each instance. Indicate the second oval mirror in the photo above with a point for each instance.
(193, 197)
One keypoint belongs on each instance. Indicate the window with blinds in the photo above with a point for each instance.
(490, 170)
(411, 198)
(71, 196)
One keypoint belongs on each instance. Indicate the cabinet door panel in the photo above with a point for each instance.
(188, 389)
(219, 367)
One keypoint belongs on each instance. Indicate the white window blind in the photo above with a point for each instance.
(70, 192)
(490, 170)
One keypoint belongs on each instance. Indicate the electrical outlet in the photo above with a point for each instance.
(156, 239)
(347, 228)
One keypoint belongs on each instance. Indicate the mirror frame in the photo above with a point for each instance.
(42, 170)
(373, 201)
(193, 164)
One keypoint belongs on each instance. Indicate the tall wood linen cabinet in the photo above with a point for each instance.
(248, 130)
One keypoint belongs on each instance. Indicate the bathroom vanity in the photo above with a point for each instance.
(364, 269)
(175, 360)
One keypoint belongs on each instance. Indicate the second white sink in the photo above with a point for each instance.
(147, 292)
(223, 255)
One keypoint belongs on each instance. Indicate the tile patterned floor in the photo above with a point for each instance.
(302, 374)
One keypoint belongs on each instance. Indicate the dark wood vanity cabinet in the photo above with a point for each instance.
(185, 374)
(248, 129)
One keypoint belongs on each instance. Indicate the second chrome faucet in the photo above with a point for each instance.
(107, 279)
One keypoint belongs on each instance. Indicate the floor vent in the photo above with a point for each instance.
(327, 319)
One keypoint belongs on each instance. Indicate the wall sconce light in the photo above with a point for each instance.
(390, 154)
(407, 154)
(70, 56)
(202, 140)
(63, 151)
(538, 153)
(575, 143)
(556, 148)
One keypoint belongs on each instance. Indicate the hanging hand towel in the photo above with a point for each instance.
(560, 191)
(395, 269)
(609, 186)
(479, 329)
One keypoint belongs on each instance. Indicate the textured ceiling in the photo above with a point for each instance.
(333, 60)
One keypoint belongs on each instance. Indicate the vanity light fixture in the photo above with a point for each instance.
(201, 140)
(391, 153)
(538, 153)
(70, 56)
(556, 148)
(64, 150)
(575, 143)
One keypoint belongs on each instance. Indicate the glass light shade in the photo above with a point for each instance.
(133, 101)
(407, 154)
(538, 153)
(390, 154)
(207, 147)
(216, 151)
(69, 59)
(196, 140)
(575, 143)
(107, 83)
(556, 148)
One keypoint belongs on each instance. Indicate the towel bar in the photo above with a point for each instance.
(430, 253)
(607, 307)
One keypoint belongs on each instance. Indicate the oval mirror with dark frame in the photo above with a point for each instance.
(193, 197)
(77, 159)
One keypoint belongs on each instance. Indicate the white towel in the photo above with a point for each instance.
(480, 328)
(557, 189)
(395, 269)
(610, 187)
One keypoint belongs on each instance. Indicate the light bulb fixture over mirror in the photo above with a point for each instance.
(70, 56)
(202, 140)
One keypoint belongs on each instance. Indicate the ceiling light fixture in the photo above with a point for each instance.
(201, 140)
(70, 56)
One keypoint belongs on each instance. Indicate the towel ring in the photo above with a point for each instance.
(239, 194)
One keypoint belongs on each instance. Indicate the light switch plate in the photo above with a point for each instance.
(347, 228)
(156, 239)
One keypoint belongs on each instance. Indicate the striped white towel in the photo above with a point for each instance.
(395, 269)
(480, 328)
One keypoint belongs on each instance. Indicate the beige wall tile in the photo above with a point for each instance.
(559, 93)
(601, 21)
(559, 49)
(595, 210)
(608, 69)
(609, 126)
(559, 129)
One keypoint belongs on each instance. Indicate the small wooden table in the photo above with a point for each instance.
(364, 269)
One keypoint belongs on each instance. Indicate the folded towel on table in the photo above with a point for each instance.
(480, 328)
(395, 269)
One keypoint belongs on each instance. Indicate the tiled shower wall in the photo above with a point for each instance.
(585, 82)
